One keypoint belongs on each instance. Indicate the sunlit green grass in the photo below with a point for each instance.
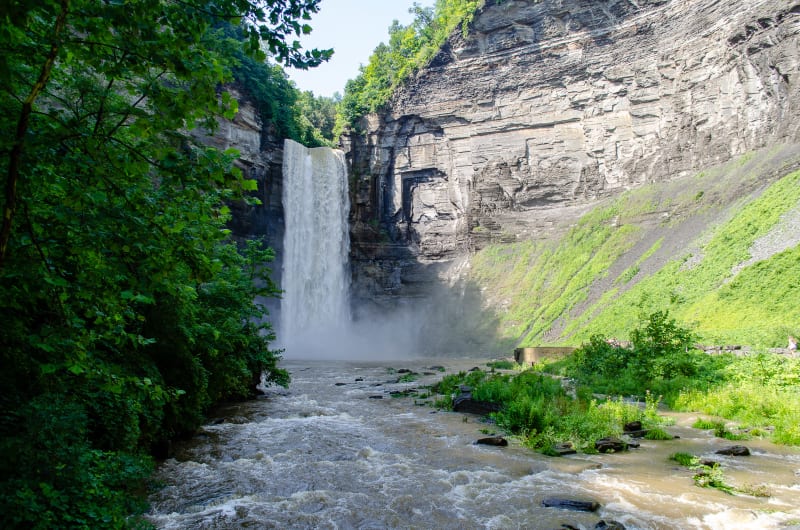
(544, 285)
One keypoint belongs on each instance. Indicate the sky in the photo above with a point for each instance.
(353, 28)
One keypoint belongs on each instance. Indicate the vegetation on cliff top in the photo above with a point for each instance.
(286, 111)
(126, 308)
(410, 48)
(562, 291)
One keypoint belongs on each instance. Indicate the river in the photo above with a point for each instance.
(336, 451)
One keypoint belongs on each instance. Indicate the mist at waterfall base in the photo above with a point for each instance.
(315, 315)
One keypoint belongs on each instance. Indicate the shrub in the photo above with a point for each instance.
(660, 355)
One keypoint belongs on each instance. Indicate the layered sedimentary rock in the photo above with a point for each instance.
(260, 158)
(545, 107)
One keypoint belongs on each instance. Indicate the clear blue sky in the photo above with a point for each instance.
(353, 28)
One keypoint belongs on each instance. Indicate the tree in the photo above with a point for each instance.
(126, 309)
(410, 48)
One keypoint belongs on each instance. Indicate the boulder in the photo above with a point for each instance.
(497, 441)
(563, 449)
(571, 504)
(632, 426)
(634, 429)
(465, 403)
(611, 444)
(734, 450)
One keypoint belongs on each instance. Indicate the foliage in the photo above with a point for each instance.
(660, 351)
(712, 477)
(685, 459)
(702, 424)
(450, 384)
(758, 391)
(536, 407)
(658, 434)
(300, 116)
(127, 310)
(410, 48)
(716, 290)
(502, 365)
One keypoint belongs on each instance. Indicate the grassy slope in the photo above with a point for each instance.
(550, 288)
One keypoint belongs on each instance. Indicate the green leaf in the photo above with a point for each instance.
(249, 185)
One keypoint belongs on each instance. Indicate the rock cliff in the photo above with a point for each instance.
(260, 158)
(542, 108)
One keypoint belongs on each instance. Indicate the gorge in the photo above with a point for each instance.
(560, 162)
(542, 112)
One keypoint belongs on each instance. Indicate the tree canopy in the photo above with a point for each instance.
(410, 48)
(126, 308)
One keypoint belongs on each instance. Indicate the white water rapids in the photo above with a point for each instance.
(326, 453)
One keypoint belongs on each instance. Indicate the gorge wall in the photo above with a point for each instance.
(544, 108)
(260, 158)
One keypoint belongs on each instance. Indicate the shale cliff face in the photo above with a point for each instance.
(545, 107)
(260, 158)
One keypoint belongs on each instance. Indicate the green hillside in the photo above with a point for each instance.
(718, 249)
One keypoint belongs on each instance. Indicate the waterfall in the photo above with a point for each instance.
(315, 307)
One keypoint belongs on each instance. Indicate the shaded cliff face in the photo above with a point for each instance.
(546, 107)
(260, 158)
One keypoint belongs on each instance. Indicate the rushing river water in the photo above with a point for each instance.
(335, 450)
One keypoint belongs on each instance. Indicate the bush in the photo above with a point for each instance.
(536, 407)
(661, 354)
(57, 480)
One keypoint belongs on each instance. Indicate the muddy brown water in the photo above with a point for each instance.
(329, 453)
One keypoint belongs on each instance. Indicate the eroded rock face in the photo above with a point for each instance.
(545, 107)
(261, 158)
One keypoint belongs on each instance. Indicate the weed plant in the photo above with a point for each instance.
(536, 407)
(685, 459)
(759, 391)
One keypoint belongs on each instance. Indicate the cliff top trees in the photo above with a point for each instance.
(410, 48)
(125, 309)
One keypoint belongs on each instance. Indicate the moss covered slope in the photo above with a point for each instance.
(719, 249)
